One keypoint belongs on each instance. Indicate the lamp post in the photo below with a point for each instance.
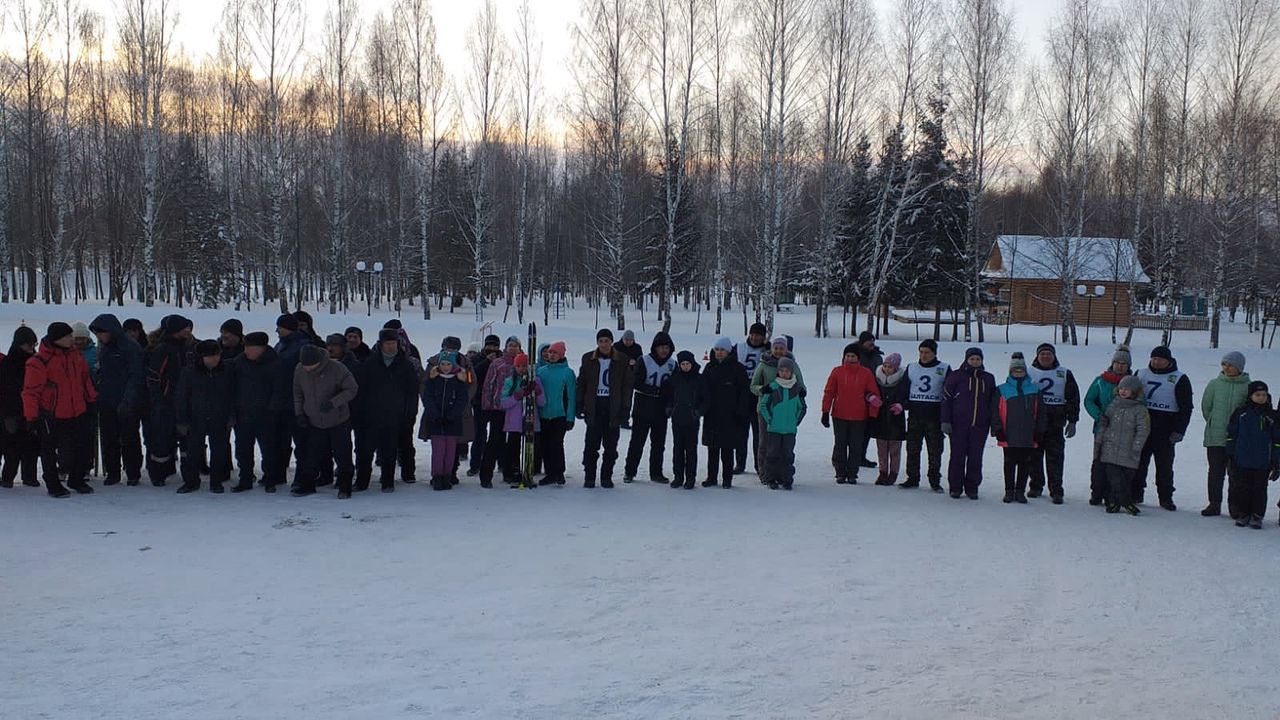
(363, 268)
(1090, 293)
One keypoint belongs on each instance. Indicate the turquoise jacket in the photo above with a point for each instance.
(560, 387)
(782, 408)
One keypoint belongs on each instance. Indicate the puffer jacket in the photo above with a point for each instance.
(1128, 425)
(1253, 437)
(848, 393)
(1099, 396)
(259, 395)
(728, 397)
(444, 401)
(767, 370)
(331, 382)
(782, 406)
(1222, 397)
(56, 384)
(513, 391)
(205, 398)
(560, 388)
(967, 398)
(121, 374)
(1019, 419)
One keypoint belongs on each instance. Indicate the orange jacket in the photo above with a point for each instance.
(57, 384)
(849, 389)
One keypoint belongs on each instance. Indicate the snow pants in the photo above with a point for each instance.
(193, 448)
(21, 451)
(926, 432)
(684, 452)
(162, 445)
(653, 429)
(1047, 460)
(846, 451)
(327, 447)
(1218, 467)
(1019, 465)
(384, 441)
(121, 438)
(553, 432)
(1119, 490)
(1249, 488)
(782, 458)
(1162, 452)
(62, 448)
(443, 451)
(753, 432)
(964, 472)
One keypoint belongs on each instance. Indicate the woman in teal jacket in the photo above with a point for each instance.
(781, 409)
(1222, 396)
(559, 387)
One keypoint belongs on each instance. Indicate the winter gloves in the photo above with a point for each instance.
(874, 401)
(1071, 430)
(826, 420)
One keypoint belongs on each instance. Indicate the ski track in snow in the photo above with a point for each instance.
(642, 601)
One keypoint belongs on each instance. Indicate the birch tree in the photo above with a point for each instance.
(528, 110)
(342, 32)
(485, 94)
(235, 85)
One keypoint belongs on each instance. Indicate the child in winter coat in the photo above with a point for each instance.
(514, 390)
(559, 386)
(728, 411)
(890, 428)
(1222, 396)
(445, 398)
(967, 400)
(1253, 446)
(1096, 401)
(1124, 428)
(688, 401)
(1018, 423)
(782, 409)
(852, 397)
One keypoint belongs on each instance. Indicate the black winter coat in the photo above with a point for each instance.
(444, 400)
(289, 349)
(122, 379)
(652, 402)
(259, 394)
(688, 397)
(728, 398)
(165, 362)
(886, 425)
(13, 371)
(205, 399)
(388, 393)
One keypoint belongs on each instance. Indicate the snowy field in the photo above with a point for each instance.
(643, 601)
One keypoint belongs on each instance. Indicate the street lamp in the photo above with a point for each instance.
(363, 268)
(1084, 291)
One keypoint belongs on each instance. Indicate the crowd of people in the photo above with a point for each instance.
(111, 400)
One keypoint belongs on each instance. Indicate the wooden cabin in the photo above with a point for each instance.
(1023, 277)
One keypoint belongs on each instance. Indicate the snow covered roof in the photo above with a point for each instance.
(1035, 257)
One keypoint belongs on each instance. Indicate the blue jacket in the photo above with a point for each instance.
(121, 374)
(1253, 437)
(289, 350)
(560, 387)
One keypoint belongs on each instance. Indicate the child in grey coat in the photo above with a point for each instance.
(1125, 426)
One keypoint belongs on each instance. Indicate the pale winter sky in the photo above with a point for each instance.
(198, 21)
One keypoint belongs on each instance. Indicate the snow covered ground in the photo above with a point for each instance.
(643, 601)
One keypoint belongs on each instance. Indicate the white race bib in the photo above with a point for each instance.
(655, 375)
(1053, 384)
(926, 382)
(602, 385)
(1161, 389)
(749, 357)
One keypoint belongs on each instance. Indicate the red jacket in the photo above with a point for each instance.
(57, 383)
(849, 387)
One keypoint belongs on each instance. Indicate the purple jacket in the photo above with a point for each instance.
(513, 421)
(966, 398)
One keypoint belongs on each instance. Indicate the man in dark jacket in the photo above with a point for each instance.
(924, 415)
(652, 405)
(323, 392)
(749, 355)
(480, 364)
(307, 326)
(122, 386)
(231, 338)
(289, 437)
(259, 403)
(166, 358)
(1061, 396)
(687, 407)
(356, 345)
(1170, 402)
(604, 390)
(870, 357)
(388, 400)
(336, 346)
(20, 444)
(205, 410)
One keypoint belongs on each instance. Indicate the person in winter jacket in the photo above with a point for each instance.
(445, 398)
(1061, 398)
(323, 391)
(871, 357)
(560, 388)
(1100, 394)
(890, 426)
(1222, 396)
(497, 372)
(764, 374)
(604, 391)
(259, 401)
(728, 410)
(749, 354)
(514, 390)
(463, 369)
(205, 408)
(852, 398)
(122, 387)
(406, 453)
(82, 339)
(1018, 423)
(1253, 446)
(307, 326)
(967, 398)
(56, 395)
(336, 347)
(231, 338)
(172, 349)
(19, 442)
(782, 409)
(1118, 445)
(356, 344)
(386, 403)
(688, 403)
(1170, 400)
(650, 407)
(925, 379)
(490, 351)
(136, 332)
(291, 439)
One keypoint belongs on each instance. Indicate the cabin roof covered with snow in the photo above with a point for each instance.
(1035, 257)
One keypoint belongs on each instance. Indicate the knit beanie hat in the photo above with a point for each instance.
(685, 355)
(302, 316)
(1130, 383)
(559, 347)
(288, 322)
(1017, 362)
(24, 336)
(447, 356)
(492, 340)
(779, 341)
(393, 323)
(208, 348)
(758, 329)
(629, 335)
(310, 355)
(929, 344)
(974, 351)
(521, 361)
(355, 330)
(894, 361)
(475, 347)
(451, 342)
(866, 336)
(57, 331)
(135, 325)
(174, 324)
(1161, 351)
(850, 349)
(1122, 355)
(256, 339)
(1047, 346)
(723, 343)
(80, 330)
(233, 326)
(1234, 359)
(336, 339)
(787, 364)
(1258, 385)
(604, 333)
